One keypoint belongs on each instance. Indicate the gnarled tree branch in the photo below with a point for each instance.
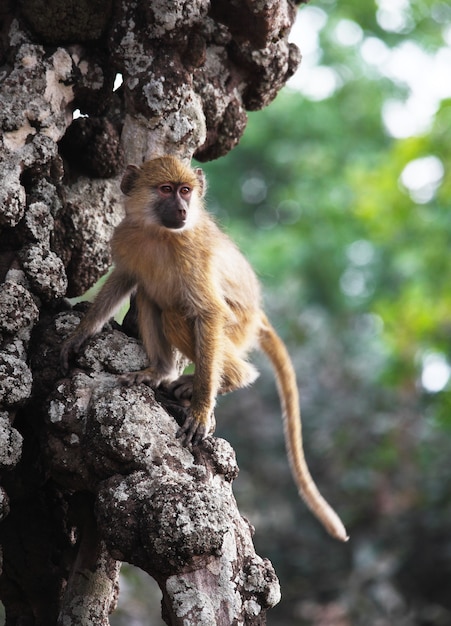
(92, 473)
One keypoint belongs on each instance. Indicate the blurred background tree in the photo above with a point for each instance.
(339, 195)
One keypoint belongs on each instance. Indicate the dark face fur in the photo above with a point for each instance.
(172, 206)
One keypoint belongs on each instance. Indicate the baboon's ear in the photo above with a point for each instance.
(129, 179)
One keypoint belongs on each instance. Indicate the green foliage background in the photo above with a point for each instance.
(356, 273)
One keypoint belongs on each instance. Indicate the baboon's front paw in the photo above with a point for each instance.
(195, 429)
(147, 377)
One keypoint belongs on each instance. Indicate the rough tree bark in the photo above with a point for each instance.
(92, 474)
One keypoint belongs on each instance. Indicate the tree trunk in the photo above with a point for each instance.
(92, 473)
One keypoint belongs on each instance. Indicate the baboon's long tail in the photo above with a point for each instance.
(274, 347)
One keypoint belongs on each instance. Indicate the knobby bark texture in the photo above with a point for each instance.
(92, 474)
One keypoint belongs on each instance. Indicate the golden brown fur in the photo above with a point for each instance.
(198, 294)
